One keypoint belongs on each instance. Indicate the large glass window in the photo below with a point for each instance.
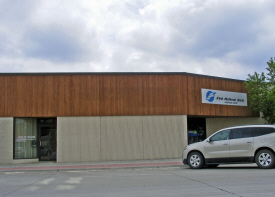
(25, 138)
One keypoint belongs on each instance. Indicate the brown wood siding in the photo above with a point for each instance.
(113, 95)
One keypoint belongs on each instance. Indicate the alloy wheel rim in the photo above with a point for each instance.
(265, 159)
(195, 160)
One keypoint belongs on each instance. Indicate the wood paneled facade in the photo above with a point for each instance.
(114, 94)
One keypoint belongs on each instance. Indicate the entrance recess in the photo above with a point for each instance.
(47, 139)
(196, 129)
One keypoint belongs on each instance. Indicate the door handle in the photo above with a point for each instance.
(248, 141)
(225, 144)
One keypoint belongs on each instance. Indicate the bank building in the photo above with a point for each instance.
(85, 117)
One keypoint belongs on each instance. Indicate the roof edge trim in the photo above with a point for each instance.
(116, 73)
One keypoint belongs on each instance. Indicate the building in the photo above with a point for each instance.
(75, 117)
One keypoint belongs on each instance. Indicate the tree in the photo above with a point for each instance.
(261, 92)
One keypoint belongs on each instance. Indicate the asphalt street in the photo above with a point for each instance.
(163, 181)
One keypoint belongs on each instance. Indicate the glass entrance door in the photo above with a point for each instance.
(47, 139)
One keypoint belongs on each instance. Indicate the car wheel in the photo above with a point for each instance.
(195, 160)
(265, 159)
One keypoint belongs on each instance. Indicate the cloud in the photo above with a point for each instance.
(221, 38)
(61, 44)
(228, 33)
(14, 12)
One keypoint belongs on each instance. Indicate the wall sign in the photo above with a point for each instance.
(223, 97)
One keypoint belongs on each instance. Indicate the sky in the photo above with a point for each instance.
(224, 38)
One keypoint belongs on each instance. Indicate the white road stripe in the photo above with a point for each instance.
(46, 181)
(75, 180)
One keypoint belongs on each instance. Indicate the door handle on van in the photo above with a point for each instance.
(225, 144)
(248, 141)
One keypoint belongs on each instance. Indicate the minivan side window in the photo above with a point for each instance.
(223, 135)
(241, 133)
(258, 131)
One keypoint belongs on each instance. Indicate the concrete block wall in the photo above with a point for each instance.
(164, 136)
(215, 124)
(6, 140)
(120, 138)
(78, 139)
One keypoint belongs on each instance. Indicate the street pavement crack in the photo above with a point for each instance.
(198, 181)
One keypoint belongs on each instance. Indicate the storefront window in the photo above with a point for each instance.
(25, 138)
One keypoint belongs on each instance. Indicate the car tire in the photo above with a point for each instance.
(195, 160)
(265, 159)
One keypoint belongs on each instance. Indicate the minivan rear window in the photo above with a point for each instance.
(258, 131)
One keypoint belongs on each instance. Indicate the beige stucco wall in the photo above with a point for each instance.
(6, 140)
(215, 124)
(120, 138)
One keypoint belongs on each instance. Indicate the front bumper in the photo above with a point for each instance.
(184, 156)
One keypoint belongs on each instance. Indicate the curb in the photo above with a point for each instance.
(91, 167)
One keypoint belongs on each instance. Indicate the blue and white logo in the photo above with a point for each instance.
(219, 97)
(210, 96)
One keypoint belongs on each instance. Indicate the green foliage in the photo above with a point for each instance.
(261, 92)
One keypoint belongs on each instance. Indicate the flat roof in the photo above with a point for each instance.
(116, 73)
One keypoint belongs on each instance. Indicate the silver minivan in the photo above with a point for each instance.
(240, 144)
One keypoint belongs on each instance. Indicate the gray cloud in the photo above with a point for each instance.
(60, 45)
(30, 31)
(212, 33)
(221, 38)
(16, 11)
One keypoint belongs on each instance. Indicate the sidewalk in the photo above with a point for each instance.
(41, 166)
